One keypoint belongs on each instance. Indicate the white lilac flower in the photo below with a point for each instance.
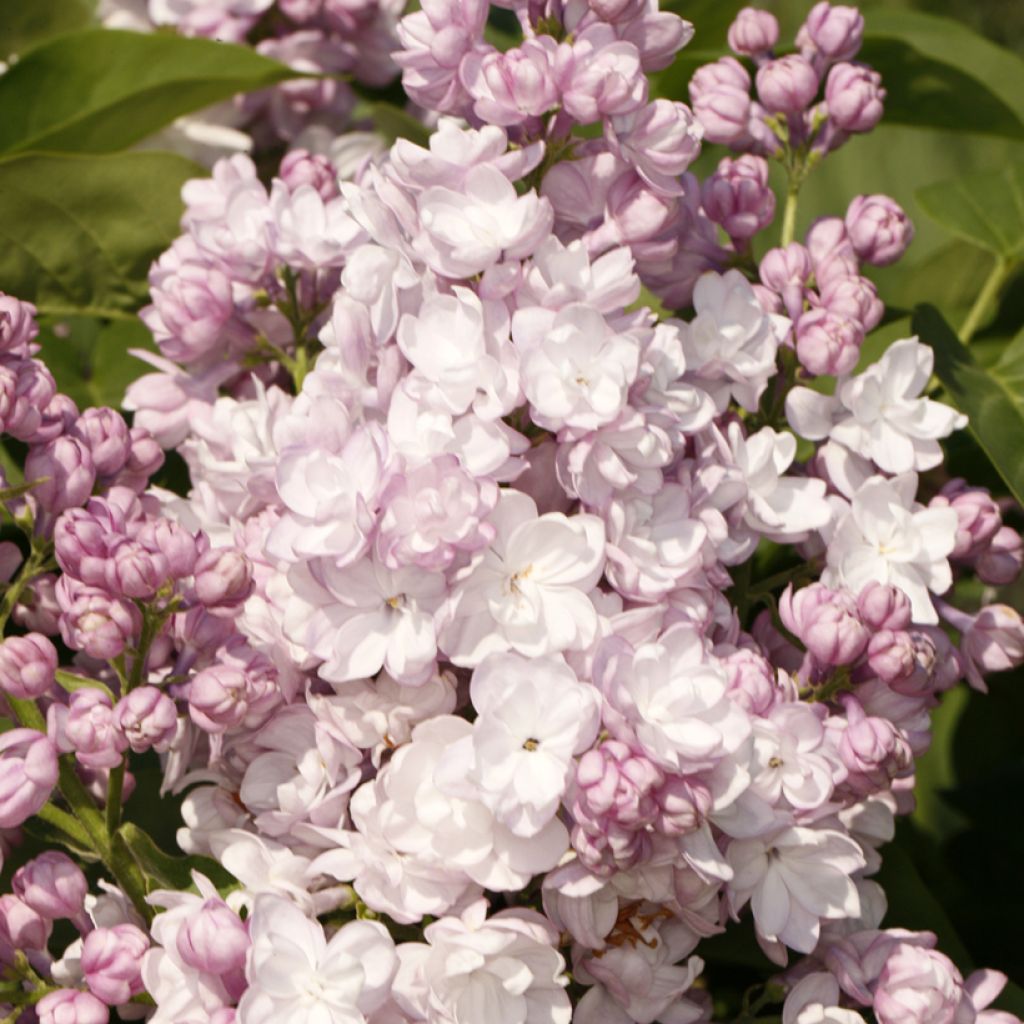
(467, 231)
(673, 696)
(880, 414)
(576, 370)
(301, 773)
(503, 970)
(527, 591)
(358, 619)
(730, 344)
(460, 345)
(782, 508)
(423, 839)
(297, 976)
(533, 716)
(814, 999)
(794, 879)
(887, 537)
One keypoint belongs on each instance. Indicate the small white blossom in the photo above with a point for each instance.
(297, 976)
(527, 591)
(794, 878)
(885, 536)
(879, 414)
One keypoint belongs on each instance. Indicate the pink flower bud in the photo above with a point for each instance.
(684, 804)
(112, 961)
(936, 665)
(65, 473)
(82, 539)
(300, 167)
(1001, 562)
(917, 986)
(145, 457)
(827, 344)
(737, 196)
(853, 298)
(94, 622)
(883, 606)
(613, 849)
(58, 418)
(53, 885)
(720, 94)
(71, 1006)
(178, 549)
(605, 77)
(148, 718)
(105, 434)
(660, 140)
(879, 229)
(91, 730)
(223, 578)
(831, 252)
(787, 85)
(872, 750)
(751, 681)
(783, 268)
(834, 32)
(892, 655)
(22, 926)
(854, 97)
(26, 390)
(786, 272)
(134, 572)
(217, 698)
(28, 773)
(193, 306)
(995, 639)
(614, 782)
(753, 32)
(615, 11)
(27, 666)
(826, 622)
(213, 939)
(509, 88)
(858, 960)
(17, 325)
(979, 518)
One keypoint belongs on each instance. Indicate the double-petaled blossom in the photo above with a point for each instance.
(297, 975)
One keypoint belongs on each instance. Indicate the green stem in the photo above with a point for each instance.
(33, 565)
(789, 212)
(740, 589)
(115, 789)
(989, 290)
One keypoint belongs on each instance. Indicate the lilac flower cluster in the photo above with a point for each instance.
(456, 649)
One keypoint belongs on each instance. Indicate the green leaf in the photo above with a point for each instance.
(71, 682)
(25, 23)
(90, 359)
(78, 233)
(167, 871)
(101, 90)
(992, 399)
(986, 208)
(944, 75)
